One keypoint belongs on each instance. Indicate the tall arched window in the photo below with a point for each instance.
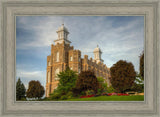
(56, 72)
(57, 57)
(48, 77)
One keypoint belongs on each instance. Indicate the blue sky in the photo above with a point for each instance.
(119, 37)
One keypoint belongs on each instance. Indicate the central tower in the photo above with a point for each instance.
(58, 60)
(62, 35)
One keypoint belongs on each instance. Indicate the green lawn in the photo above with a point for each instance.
(110, 98)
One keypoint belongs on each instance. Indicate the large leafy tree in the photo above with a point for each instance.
(67, 81)
(142, 65)
(87, 81)
(35, 90)
(20, 90)
(122, 75)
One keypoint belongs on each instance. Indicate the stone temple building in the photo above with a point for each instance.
(63, 55)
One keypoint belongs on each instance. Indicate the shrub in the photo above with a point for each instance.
(63, 97)
(110, 89)
(69, 95)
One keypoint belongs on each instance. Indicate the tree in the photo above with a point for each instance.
(142, 65)
(20, 90)
(138, 85)
(35, 90)
(122, 75)
(67, 80)
(87, 81)
(66, 84)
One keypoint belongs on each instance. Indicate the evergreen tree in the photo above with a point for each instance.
(122, 75)
(20, 90)
(138, 85)
(35, 90)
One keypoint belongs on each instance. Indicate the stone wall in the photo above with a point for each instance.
(100, 69)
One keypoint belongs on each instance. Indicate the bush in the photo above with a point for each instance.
(110, 89)
(64, 97)
(55, 96)
(89, 92)
(69, 95)
(99, 92)
(23, 99)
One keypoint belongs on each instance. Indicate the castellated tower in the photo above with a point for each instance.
(63, 55)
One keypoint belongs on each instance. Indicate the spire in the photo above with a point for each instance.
(63, 22)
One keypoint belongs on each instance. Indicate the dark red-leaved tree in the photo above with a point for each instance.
(35, 90)
(87, 81)
(122, 75)
(142, 65)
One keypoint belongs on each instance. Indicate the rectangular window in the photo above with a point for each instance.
(57, 72)
(48, 77)
(71, 58)
(57, 59)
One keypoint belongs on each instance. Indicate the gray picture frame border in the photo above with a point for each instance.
(11, 8)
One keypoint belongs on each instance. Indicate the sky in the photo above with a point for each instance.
(119, 38)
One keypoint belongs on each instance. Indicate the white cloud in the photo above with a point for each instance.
(27, 73)
(38, 75)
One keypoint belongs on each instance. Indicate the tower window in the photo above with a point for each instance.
(48, 77)
(56, 72)
(57, 57)
(71, 58)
